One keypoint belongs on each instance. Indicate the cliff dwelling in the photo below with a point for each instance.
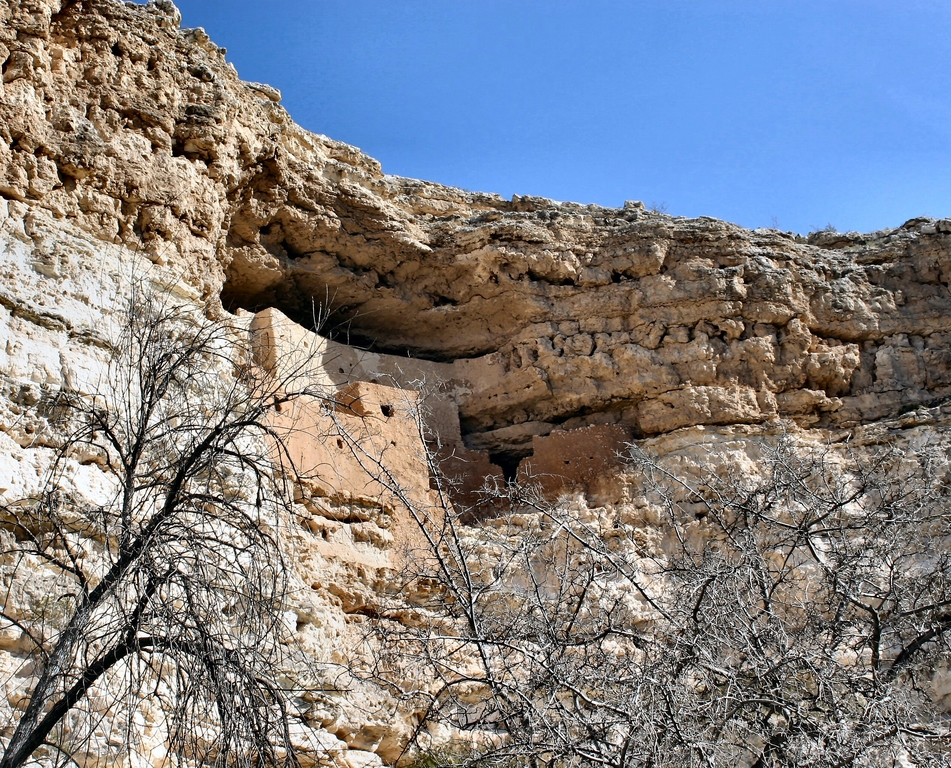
(768, 564)
(399, 412)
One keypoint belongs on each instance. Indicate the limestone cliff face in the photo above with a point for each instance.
(560, 315)
(128, 144)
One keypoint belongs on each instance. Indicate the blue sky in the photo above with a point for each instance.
(788, 113)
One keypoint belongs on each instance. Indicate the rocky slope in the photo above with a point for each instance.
(131, 145)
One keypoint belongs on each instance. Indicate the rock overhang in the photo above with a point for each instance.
(560, 315)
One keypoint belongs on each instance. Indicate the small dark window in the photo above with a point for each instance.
(508, 464)
(386, 410)
(340, 442)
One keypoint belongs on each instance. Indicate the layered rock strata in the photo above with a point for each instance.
(556, 315)
(545, 335)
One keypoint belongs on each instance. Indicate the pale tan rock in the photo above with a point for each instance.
(534, 330)
(700, 405)
(202, 172)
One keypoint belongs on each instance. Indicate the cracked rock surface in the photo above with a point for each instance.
(557, 315)
(130, 147)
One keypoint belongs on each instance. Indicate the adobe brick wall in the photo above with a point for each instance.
(372, 424)
(577, 459)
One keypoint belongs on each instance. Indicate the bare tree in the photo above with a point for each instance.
(171, 593)
(790, 617)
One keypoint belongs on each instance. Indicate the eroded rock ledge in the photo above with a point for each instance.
(546, 335)
(552, 315)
